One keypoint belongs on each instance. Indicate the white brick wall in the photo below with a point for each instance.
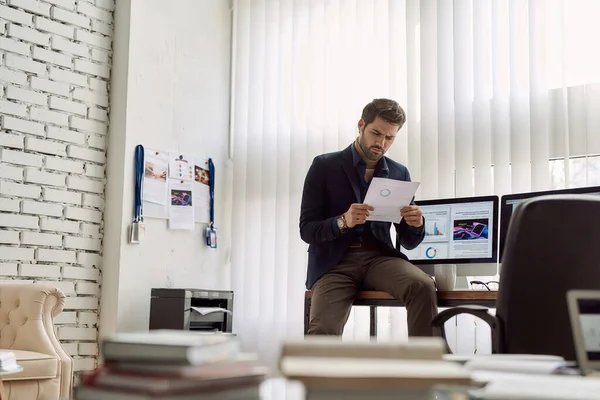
(66, 135)
(41, 208)
(57, 225)
(11, 141)
(14, 173)
(67, 318)
(10, 237)
(55, 60)
(88, 318)
(21, 125)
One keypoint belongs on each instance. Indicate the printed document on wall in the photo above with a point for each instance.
(156, 167)
(181, 167)
(181, 207)
(201, 190)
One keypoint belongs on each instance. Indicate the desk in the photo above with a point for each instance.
(375, 299)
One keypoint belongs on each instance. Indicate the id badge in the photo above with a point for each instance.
(137, 232)
(211, 237)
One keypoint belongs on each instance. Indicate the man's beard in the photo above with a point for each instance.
(368, 153)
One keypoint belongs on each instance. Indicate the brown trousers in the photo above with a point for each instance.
(334, 292)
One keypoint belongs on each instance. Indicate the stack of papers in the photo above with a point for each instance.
(8, 361)
(388, 196)
(533, 387)
(486, 369)
(525, 377)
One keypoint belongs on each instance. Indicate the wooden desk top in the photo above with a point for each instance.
(451, 295)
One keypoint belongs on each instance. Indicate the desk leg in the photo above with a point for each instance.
(306, 315)
(373, 318)
(1, 389)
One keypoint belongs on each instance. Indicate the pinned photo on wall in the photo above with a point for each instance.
(156, 168)
(181, 205)
(181, 167)
(201, 190)
(201, 172)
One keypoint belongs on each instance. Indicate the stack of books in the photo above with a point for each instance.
(333, 369)
(175, 365)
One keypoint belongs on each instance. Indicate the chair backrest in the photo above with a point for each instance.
(553, 245)
(26, 315)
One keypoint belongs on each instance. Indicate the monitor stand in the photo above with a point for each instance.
(462, 283)
(462, 272)
(445, 276)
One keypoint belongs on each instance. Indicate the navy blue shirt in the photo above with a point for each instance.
(363, 232)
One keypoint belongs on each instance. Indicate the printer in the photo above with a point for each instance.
(191, 309)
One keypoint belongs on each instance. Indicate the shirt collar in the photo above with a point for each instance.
(355, 156)
(381, 165)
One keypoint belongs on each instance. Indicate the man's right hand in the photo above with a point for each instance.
(357, 214)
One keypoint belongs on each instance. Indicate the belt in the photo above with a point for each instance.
(363, 246)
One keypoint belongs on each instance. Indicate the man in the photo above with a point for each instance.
(347, 253)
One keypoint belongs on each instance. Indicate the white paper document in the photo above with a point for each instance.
(181, 167)
(181, 210)
(537, 387)
(210, 310)
(388, 196)
(156, 167)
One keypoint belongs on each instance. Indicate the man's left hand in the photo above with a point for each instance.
(412, 215)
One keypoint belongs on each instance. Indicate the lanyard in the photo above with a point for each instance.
(211, 185)
(139, 179)
(211, 231)
(138, 229)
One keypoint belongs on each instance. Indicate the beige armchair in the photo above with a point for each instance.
(27, 329)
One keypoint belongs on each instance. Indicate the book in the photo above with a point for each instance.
(422, 348)
(239, 362)
(464, 358)
(362, 373)
(170, 347)
(369, 394)
(95, 393)
(155, 384)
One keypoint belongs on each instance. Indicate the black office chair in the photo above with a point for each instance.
(553, 245)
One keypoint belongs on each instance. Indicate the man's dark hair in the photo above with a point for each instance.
(387, 109)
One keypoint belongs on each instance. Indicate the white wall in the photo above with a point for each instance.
(54, 68)
(171, 92)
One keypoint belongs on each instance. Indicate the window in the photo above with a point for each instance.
(583, 171)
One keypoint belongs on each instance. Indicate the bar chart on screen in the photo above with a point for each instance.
(435, 228)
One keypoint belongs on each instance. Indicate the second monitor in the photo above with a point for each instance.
(458, 231)
(509, 203)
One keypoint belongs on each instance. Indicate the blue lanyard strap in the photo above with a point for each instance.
(139, 179)
(211, 185)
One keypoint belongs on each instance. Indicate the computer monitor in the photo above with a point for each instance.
(459, 231)
(509, 202)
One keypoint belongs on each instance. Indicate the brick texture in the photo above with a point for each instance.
(55, 58)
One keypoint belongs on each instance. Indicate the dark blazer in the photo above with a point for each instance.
(330, 187)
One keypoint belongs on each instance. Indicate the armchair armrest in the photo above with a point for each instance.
(478, 311)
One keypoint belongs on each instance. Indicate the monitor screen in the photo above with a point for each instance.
(511, 201)
(458, 231)
(589, 317)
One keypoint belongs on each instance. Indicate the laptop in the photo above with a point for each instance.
(584, 311)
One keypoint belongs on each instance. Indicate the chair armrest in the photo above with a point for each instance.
(478, 311)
